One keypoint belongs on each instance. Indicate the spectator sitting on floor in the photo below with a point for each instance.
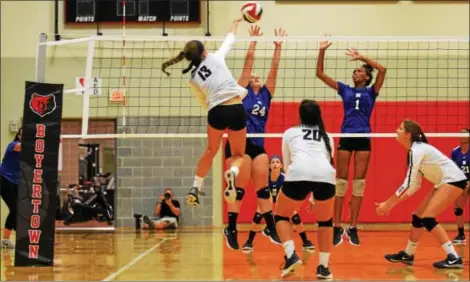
(168, 211)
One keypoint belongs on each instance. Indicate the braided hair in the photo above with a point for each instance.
(193, 52)
(310, 115)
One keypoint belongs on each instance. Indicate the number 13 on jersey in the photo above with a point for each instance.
(204, 73)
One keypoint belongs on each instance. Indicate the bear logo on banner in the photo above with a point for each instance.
(42, 105)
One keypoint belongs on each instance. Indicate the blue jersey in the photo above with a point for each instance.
(358, 104)
(10, 167)
(462, 160)
(257, 108)
(276, 186)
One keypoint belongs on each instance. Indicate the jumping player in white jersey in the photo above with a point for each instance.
(219, 93)
(307, 154)
(449, 182)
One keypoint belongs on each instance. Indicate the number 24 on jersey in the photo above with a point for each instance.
(258, 110)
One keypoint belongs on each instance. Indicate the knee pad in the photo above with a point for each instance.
(328, 223)
(458, 211)
(296, 219)
(358, 187)
(263, 193)
(429, 223)
(341, 187)
(240, 193)
(416, 221)
(257, 218)
(278, 218)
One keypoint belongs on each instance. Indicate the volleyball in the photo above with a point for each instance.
(252, 11)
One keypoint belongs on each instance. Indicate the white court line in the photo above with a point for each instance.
(134, 261)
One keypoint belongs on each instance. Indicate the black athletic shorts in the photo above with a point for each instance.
(251, 150)
(354, 144)
(299, 190)
(232, 117)
(462, 184)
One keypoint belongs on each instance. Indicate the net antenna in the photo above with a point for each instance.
(429, 72)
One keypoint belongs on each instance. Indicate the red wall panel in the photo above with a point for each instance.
(387, 166)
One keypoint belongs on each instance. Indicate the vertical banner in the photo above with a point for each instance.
(37, 192)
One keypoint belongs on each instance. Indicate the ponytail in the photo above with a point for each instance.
(417, 134)
(193, 51)
(173, 61)
(323, 134)
(310, 115)
(194, 64)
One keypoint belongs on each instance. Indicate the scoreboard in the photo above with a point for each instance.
(137, 11)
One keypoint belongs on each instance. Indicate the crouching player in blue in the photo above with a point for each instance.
(276, 180)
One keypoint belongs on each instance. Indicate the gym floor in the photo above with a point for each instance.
(201, 254)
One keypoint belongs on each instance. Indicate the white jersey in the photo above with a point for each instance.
(425, 160)
(214, 78)
(306, 157)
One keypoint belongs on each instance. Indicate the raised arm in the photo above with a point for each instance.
(379, 81)
(229, 40)
(272, 76)
(320, 71)
(250, 57)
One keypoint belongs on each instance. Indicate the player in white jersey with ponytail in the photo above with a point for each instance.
(307, 153)
(449, 182)
(219, 93)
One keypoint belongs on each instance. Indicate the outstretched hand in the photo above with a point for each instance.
(383, 208)
(255, 30)
(280, 33)
(354, 54)
(325, 44)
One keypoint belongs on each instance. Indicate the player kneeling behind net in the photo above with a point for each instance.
(449, 182)
(219, 93)
(276, 180)
(307, 154)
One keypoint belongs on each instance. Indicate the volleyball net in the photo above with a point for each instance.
(152, 130)
(427, 80)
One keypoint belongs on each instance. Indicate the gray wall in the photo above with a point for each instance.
(146, 166)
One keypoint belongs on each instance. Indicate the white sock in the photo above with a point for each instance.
(324, 258)
(289, 248)
(449, 248)
(198, 182)
(235, 170)
(411, 247)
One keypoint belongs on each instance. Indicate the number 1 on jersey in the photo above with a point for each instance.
(357, 105)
